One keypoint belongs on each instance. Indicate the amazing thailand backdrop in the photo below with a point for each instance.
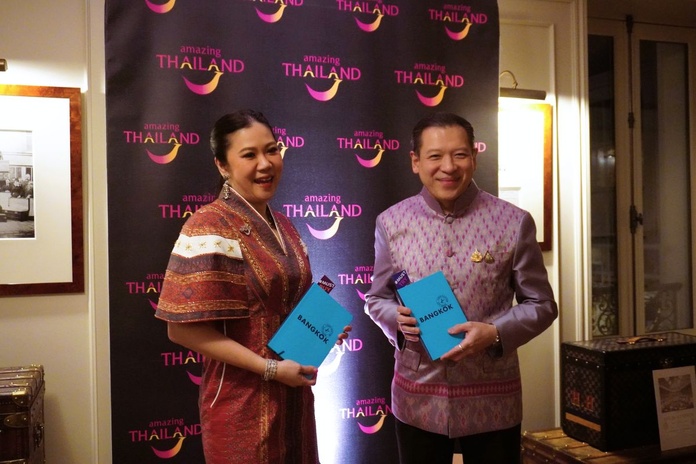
(342, 83)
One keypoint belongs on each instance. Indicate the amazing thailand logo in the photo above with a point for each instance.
(368, 15)
(322, 75)
(321, 209)
(457, 20)
(372, 145)
(162, 140)
(369, 414)
(431, 80)
(200, 67)
(166, 437)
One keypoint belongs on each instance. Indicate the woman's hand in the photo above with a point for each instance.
(407, 324)
(205, 339)
(343, 335)
(293, 374)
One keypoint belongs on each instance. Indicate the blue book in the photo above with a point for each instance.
(312, 327)
(436, 309)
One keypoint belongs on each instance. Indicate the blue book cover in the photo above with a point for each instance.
(436, 309)
(312, 328)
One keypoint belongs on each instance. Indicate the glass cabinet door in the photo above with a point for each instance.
(643, 178)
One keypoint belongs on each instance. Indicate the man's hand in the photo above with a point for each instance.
(407, 324)
(478, 337)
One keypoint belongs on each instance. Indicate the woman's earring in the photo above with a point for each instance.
(226, 188)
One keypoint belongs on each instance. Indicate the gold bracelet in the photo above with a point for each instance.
(496, 343)
(271, 370)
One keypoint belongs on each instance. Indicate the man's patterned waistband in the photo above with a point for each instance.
(496, 388)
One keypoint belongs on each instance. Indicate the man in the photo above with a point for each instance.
(487, 250)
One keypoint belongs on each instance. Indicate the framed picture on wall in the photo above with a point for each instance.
(525, 151)
(41, 238)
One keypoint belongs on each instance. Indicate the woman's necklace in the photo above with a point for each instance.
(272, 224)
(267, 218)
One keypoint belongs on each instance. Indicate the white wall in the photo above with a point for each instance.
(61, 43)
(542, 43)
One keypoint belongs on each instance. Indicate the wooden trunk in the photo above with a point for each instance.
(22, 415)
(555, 447)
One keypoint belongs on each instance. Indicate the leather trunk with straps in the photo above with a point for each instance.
(607, 389)
(22, 415)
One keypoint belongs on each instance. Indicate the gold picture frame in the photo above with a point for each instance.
(525, 161)
(50, 258)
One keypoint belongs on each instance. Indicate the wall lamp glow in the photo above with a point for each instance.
(514, 92)
(3, 64)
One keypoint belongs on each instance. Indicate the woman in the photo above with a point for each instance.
(235, 272)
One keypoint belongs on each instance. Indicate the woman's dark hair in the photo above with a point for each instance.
(229, 124)
(440, 119)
